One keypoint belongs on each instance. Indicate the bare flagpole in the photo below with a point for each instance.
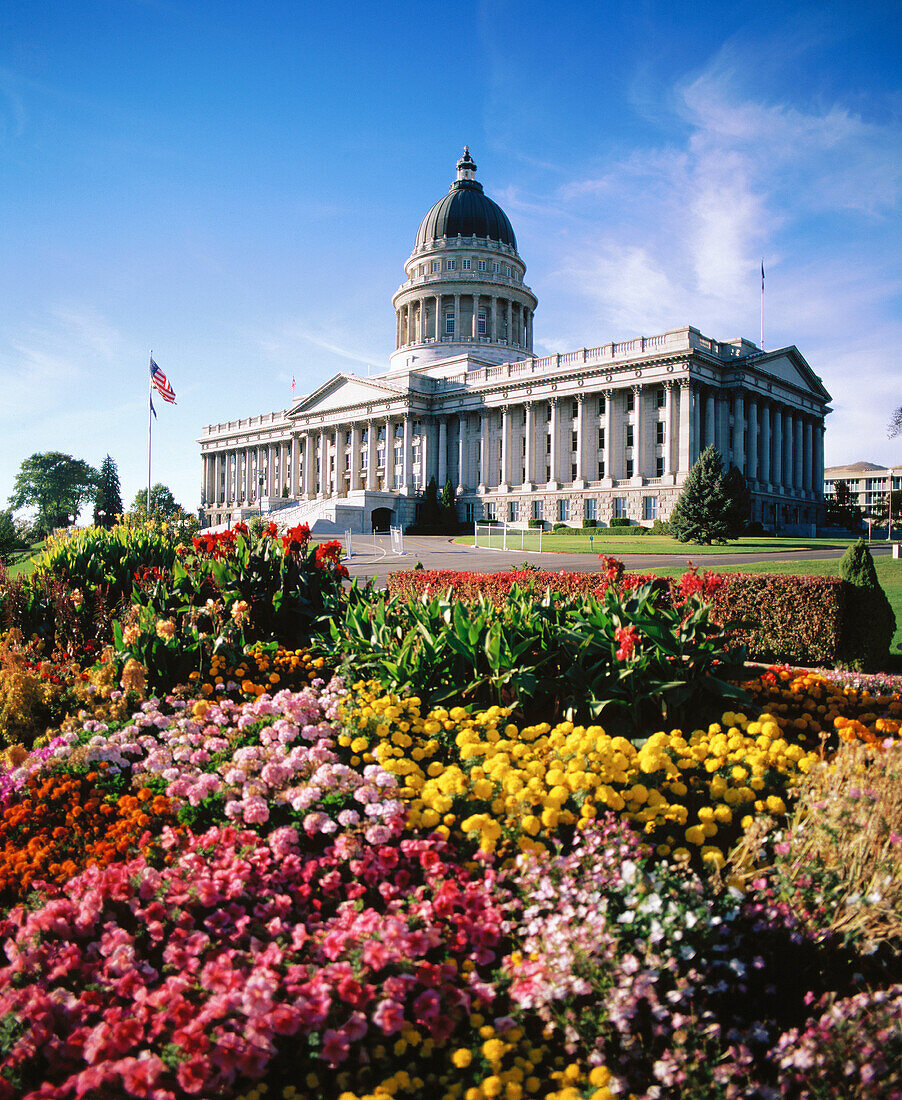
(761, 345)
(149, 425)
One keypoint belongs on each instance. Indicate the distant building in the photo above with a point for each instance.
(596, 433)
(868, 482)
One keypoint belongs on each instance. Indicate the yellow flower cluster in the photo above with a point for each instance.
(494, 781)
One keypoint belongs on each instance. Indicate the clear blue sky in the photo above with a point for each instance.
(237, 186)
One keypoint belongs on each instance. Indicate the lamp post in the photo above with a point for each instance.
(260, 495)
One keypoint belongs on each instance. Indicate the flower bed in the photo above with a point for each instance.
(261, 882)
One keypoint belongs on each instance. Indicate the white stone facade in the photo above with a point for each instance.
(591, 434)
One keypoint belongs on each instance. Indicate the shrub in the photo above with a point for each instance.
(558, 527)
(619, 530)
(703, 511)
(660, 527)
(869, 623)
(537, 524)
(789, 618)
(621, 521)
(590, 523)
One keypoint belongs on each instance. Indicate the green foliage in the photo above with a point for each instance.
(539, 651)
(869, 623)
(163, 504)
(590, 523)
(702, 511)
(108, 499)
(9, 540)
(621, 521)
(536, 524)
(448, 505)
(231, 590)
(659, 527)
(56, 486)
(857, 566)
(79, 580)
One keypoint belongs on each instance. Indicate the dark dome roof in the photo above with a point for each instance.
(466, 211)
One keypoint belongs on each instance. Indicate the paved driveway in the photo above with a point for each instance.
(373, 557)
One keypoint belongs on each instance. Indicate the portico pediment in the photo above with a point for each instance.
(344, 391)
(788, 365)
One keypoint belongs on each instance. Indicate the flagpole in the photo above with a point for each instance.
(149, 425)
(762, 304)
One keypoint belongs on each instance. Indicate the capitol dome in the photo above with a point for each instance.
(464, 295)
(466, 211)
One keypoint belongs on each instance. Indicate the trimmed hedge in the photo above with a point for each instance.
(799, 620)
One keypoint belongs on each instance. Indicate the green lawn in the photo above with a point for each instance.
(889, 573)
(23, 562)
(605, 543)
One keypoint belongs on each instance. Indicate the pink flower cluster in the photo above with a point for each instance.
(191, 977)
(260, 758)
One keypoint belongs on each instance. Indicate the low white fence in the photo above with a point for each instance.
(500, 536)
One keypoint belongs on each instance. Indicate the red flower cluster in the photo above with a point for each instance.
(329, 553)
(691, 584)
(626, 638)
(295, 539)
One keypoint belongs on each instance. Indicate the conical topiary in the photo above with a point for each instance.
(868, 619)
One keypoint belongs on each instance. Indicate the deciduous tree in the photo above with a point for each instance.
(162, 503)
(56, 486)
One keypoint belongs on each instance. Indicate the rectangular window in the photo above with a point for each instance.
(481, 265)
(347, 462)
(436, 265)
(649, 507)
(629, 467)
(507, 272)
(514, 511)
(381, 458)
(659, 432)
(659, 397)
(523, 446)
(574, 441)
(450, 265)
(629, 435)
(630, 400)
(466, 265)
(563, 511)
(523, 415)
(548, 444)
(422, 269)
(470, 512)
(573, 471)
(364, 460)
(619, 509)
(449, 324)
(600, 468)
(574, 410)
(601, 439)
(481, 324)
(659, 466)
(591, 508)
(489, 507)
(536, 509)
(496, 269)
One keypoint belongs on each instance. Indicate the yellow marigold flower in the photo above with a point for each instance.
(492, 1086)
(493, 1050)
(462, 1057)
(775, 804)
(695, 834)
(165, 629)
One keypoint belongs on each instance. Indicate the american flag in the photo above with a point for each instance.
(160, 383)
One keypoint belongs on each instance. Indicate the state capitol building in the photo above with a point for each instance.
(595, 433)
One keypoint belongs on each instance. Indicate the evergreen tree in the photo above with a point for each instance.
(9, 540)
(430, 510)
(702, 510)
(740, 506)
(108, 502)
(448, 505)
